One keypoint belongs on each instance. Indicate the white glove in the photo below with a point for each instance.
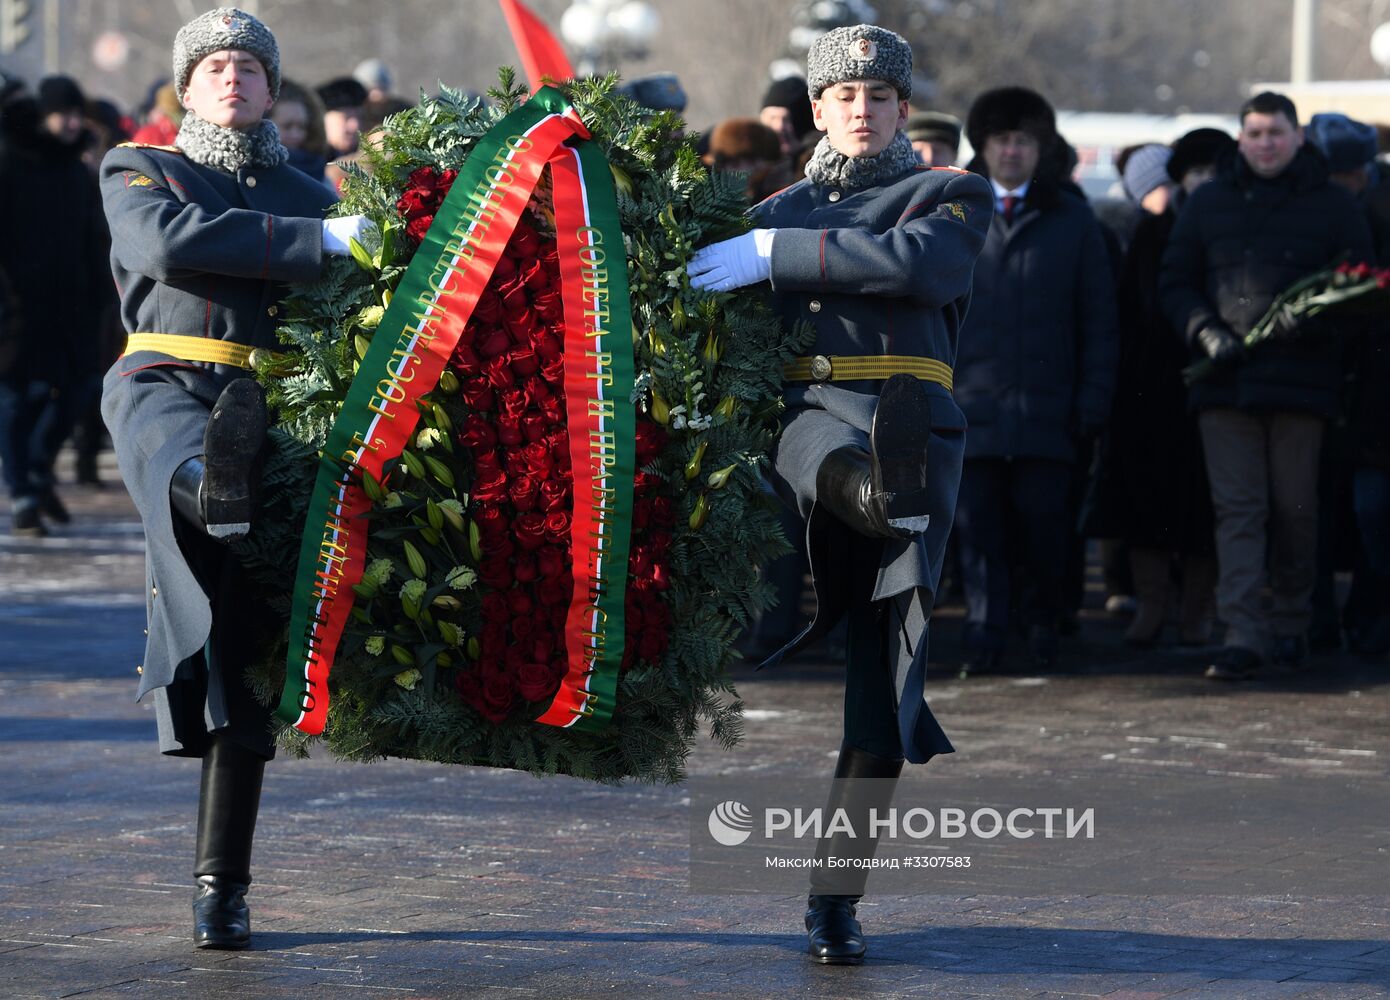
(337, 232)
(743, 260)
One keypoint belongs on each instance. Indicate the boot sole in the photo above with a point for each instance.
(902, 423)
(231, 445)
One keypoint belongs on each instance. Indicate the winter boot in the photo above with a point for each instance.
(227, 806)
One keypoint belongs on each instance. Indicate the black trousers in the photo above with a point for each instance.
(871, 700)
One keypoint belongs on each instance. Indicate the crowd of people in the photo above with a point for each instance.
(1233, 502)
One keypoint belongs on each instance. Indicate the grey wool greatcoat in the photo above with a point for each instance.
(202, 253)
(882, 270)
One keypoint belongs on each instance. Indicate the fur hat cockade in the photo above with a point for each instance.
(224, 28)
(863, 52)
(1010, 109)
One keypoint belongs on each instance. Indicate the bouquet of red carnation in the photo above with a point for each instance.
(1339, 291)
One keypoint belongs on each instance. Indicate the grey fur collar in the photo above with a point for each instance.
(831, 168)
(230, 149)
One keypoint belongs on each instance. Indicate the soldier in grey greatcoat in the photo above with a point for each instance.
(876, 252)
(204, 235)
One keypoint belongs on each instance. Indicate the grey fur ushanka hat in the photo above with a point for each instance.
(224, 28)
(861, 52)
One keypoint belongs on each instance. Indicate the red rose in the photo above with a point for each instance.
(499, 373)
(521, 326)
(553, 409)
(496, 572)
(557, 526)
(488, 310)
(509, 430)
(418, 226)
(503, 272)
(414, 202)
(492, 343)
(525, 242)
(553, 371)
(551, 562)
(515, 301)
(549, 305)
(498, 695)
(478, 394)
(530, 531)
(536, 392)
(519, 602)
(465, 360)
(524, 571)
(477, 434)
(512, 402)
(491, 487)
(643, 482)
(524, 493)
(650, 440)
(495, 609)
(523, 361)
(554, 495)
(497, 546)
(446, 180)
(536, 682)
(534, 425)
(522, 628)
(487, 462)
(536, 460)
(545, 344)
(556, 592)
(534, 276)
(492, 520)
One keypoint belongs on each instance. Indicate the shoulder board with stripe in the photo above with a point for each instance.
(922, 168)
(149, 145)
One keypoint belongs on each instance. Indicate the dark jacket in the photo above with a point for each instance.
(1238, 242)
(53, 247)
(1152, 488)
(883, 270)
(201, 253)
(1368, 410)
(1037, 355)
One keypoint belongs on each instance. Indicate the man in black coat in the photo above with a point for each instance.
(53, 246)
(1034, 375)
(1268, 218)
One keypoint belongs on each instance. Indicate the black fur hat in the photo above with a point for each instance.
(1010, 109)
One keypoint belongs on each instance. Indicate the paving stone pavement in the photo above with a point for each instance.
(400, 878)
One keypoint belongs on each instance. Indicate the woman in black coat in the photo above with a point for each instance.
(1154, 493)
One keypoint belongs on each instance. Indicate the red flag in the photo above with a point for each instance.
(541, 53)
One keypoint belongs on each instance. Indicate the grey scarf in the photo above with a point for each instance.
(230, 149)
(831, 168)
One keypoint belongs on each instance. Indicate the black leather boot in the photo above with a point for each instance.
(883, 493)
(217, 491)
(834, 936)
(227, 806)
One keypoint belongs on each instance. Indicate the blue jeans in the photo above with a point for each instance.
(35, 419)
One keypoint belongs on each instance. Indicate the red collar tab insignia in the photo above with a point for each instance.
(863, 48)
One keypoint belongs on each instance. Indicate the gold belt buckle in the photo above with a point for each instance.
(820, 368)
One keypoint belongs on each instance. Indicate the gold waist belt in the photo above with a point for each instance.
(185, 348)
(831, 368)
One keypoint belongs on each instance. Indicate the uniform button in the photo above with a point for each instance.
(273, 311)
(147, 631)
(154, 591)
(139, 669)
(815, 305)
(834, 196)
(250, 182)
